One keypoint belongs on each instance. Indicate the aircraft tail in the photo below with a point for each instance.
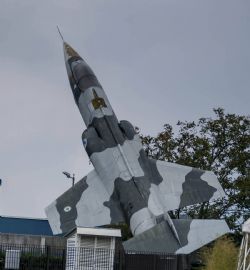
(192, 235)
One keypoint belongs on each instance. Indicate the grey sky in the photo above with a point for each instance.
(158, 61)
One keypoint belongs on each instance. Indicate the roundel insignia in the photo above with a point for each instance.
(67, 209)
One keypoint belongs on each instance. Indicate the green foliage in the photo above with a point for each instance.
(35, 260)
(223, 255)
(2, 256)
(220, 144)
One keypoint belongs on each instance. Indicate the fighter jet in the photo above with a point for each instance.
(126, 186)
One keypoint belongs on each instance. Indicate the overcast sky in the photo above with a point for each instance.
(158, 61)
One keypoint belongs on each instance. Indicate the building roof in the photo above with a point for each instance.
(95, 231)
(22, 225)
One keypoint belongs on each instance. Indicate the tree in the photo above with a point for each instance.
(220, 144)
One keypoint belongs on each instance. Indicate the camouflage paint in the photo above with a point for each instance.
(127, 186)
(192, 233)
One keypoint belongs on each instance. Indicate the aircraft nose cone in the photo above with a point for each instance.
(69, 52)
(80, 74)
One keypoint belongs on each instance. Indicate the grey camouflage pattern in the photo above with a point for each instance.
(192, 233)
(125, 185)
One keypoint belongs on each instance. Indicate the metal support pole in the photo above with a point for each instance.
(244, 254)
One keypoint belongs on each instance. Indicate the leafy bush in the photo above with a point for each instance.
(222, 256)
